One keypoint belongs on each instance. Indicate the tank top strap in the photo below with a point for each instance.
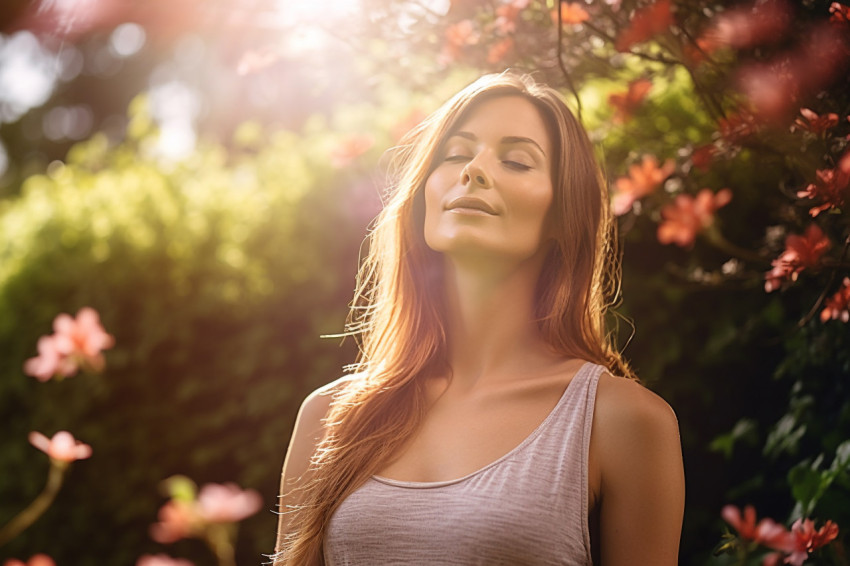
(575, 409)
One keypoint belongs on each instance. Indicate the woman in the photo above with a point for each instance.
(482, 426)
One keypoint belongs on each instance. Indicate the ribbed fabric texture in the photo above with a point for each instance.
(528, 507)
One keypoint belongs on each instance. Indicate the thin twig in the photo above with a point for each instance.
(805, 320)
(39, 505)
(561, 64)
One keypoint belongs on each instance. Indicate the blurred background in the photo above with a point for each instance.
(202, 173)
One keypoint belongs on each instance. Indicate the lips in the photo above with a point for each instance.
(471, 203)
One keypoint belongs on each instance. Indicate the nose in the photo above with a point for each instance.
(474, 173)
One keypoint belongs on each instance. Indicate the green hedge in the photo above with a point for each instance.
(216, 274)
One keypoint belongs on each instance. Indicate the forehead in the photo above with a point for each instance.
(506, 116)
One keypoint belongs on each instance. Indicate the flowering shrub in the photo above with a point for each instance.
(77, 343)
(792, 546)
(211, 515)
(63, 447)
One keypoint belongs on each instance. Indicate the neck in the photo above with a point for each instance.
(492, 331)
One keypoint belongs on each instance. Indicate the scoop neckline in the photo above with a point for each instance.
(526, 441)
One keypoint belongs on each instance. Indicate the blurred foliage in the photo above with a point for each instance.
(216, 276)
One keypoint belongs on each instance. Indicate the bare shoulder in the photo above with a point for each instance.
(626, 409)
(639, 468)
(634, 431)
(306, 436)
(315, 408)
(310, 428)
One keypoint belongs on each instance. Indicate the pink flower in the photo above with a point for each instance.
(831, 186)
(77, 342)
(645, 24)
(752, 24)
(35, 560)
(350, 149)
(702, 156)
(806, 539)
(83, 338)
(770, 88)
(161, 560)
(737, 127)
(643, 179)
(837, 307)
(506, 15)
(49, 362)
(177, 520)
(63, 446)
(801, 251)
(571, 13)
(766, 532)
(687, 216)
(625, 103)
(816, 123)
(500, 50)
(458, 37)
(227, 503)
(839, 14)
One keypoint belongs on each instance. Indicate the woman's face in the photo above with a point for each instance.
(491, 190)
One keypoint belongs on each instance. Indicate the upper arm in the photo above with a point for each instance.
(642, 484)
(308, 432)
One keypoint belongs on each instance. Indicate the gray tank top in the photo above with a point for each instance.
(529, 507)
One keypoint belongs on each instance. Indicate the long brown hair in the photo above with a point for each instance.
(397, 313)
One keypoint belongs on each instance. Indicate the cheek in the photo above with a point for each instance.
(536, 207)
(435, 188)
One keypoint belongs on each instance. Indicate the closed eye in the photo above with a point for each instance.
(516, 165)
(457, 158)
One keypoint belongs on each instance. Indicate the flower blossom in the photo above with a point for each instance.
(35, 560)
(737, 127)
(770, 88)
(645, 24)
(227, 503)
(766, 532)
(837, 307)
(830, 187)
(749, 25)
(571, 13)
(76, 343)
(643, 179)
(161, 560)
(839, 13)
(506, 15)
(801, 251)
(458, 36)
(177, 520)
(49, 362)
(350, 149)
(62, 447)
(215, 503)
(816, 123)
(806, 539)
(500, 50)
(687, 216)
(625, 103)
(702, 156)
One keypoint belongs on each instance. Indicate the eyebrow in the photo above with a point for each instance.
(505, 140)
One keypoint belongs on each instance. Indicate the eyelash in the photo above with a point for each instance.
(512, 164)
